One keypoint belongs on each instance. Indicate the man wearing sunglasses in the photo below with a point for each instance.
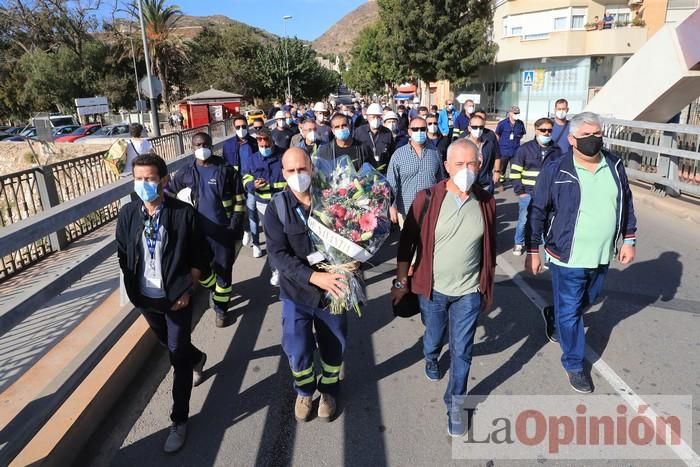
(238, 149)
(487, 152)
(583, 205)
(412, 168)
(524, 169)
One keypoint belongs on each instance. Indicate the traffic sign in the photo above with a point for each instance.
(528, 77)
(93, 110)
(146, 89)
(462, 98)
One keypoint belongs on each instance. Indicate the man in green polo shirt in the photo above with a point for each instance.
(584, 204)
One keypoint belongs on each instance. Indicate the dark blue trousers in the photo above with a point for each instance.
(299, 343)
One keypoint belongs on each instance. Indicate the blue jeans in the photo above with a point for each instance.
(574, 289)
(253, 219)
(523, 204)
(461, 314)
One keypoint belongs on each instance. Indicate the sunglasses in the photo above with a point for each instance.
(477, 127)
(544, 130)
(240, 127)
(419, 128)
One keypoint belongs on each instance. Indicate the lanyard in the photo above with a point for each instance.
(301, 215)
(151, 232)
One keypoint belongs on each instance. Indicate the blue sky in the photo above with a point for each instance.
(310, 19)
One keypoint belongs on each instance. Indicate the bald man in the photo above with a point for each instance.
(454, 241)
(306, 324)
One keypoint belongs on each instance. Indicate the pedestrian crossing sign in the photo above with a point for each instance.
(528, 77)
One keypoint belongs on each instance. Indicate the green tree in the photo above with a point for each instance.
(309, 80)
(441, 39)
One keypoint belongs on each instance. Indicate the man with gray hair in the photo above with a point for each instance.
(582, 204)
(451, 229)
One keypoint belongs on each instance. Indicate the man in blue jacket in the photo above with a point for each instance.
(303, 288)
(524, 169)
(583, 203)
(216, 192)
(262, 177)
(242, 147)
(447, 118)
(509, 131)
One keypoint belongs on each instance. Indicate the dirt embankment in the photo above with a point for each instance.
(17, 156)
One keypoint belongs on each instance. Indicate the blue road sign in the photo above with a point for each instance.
(528, 77)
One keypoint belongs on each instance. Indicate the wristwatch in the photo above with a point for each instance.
(400, 284)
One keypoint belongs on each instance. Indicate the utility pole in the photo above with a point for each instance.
(286, 54)
(136, 74)
(155, 125)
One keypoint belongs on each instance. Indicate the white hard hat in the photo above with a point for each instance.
(374, 109)
(320, 107)
(390, 116)
(279, 114)
(416, 100)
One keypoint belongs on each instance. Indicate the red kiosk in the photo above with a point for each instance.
(209, 106)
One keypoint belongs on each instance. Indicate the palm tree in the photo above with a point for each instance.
(160, 21)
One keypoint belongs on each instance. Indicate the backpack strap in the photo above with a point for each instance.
(281, 207)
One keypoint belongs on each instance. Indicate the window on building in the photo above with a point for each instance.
(622, 17)
(578, 21)
(516, 31)
(682, 4)
(561, 23)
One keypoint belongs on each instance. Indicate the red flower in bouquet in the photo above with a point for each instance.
(355, 236)
(368, 222)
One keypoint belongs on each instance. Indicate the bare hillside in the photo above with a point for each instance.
(339, 37)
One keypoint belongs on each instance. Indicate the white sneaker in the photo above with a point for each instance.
(247, 238)
(176, 438)
(518, 250)
(275, 279)
(257, 252)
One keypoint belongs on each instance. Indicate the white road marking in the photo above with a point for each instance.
(682, 449)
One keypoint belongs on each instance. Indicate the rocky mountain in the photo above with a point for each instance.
(339, 37)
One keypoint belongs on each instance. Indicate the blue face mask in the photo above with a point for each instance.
(544, 140)
(147, 191)
(342, 134)
(290, 121)
(419, 136)
(266, 152)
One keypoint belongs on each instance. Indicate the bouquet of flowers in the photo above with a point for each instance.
(349, 222)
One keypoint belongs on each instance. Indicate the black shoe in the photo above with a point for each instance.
(548, 316)
(224, 320)
(456, 424)
(580, 382)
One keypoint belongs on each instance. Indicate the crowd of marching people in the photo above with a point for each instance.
(443, 167)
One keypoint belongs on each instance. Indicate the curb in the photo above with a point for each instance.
(680, 208)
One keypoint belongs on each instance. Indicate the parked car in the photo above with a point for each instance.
(64, 130)
(80, 132)
(106, 133)
(27, 133)
(4, 136)
(10, 130)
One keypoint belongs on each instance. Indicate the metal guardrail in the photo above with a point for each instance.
(664, 154)
(31, 192)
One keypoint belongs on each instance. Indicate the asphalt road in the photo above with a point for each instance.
(646, 328)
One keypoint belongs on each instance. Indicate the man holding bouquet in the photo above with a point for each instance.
(454, 269)
(303, 288)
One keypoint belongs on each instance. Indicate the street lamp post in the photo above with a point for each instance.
(136, 74)
(155, 125)
(286, 55)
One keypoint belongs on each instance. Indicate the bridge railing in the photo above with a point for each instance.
(28, 193)
(664, 154)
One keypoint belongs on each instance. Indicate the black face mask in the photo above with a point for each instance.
(589, 145)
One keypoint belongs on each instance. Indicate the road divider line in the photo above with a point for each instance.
(682, 449)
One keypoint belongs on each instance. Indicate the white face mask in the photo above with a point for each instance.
(391, 126)
(561, 114)
(470, 109)
(281, 123)
(464, 179)
(319, 118)
(202, 153)
(432, 128)
(516, 117)
(476, 133)
(375, 123)
(311, 136)
(242, 132)
(299, 183)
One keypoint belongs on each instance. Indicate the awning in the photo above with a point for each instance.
(401, 97)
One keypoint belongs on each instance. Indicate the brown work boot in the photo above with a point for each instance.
(326, 407)
(302, 408)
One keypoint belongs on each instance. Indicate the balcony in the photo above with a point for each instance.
(616, 41)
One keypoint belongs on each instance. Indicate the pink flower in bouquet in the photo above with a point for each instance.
(339, 224)
(337, 210)
(368, 222)
(355, 236)
(342, 192)
(349, 215)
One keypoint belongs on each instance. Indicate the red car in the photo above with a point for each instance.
(78, 133)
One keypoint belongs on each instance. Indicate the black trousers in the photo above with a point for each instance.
(173, 330)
